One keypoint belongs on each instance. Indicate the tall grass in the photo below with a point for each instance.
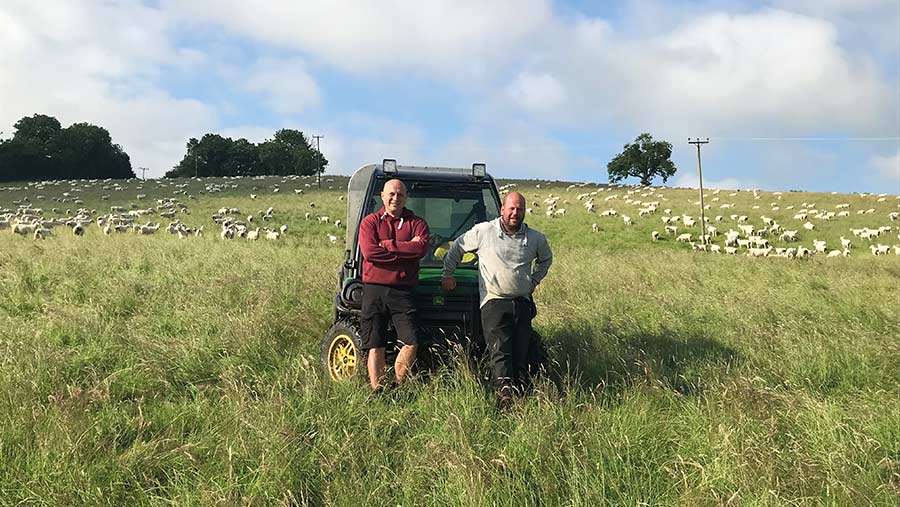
(157, 371)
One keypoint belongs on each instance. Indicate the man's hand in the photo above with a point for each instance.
(448, 283)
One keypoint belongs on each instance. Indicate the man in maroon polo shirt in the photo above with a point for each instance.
(392, 240)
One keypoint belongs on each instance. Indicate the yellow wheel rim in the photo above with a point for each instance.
(342, 358)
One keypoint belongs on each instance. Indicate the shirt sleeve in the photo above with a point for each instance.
(371, 249)
(468, 242)
(543, 260)
(410, 249)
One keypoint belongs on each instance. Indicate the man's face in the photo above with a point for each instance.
(513, 210)
(394, 197)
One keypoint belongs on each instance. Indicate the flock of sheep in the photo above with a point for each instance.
(745, 234)
(28, 219)
(753, 231)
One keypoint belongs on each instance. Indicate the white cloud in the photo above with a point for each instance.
(284, 84)
(91, 62)
(537, 92)
(888, 168)
(770, 72)
(458, 40)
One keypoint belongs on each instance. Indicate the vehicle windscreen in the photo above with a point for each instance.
(449, 209)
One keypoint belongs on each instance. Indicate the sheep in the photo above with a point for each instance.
(684, 238)
(654, 235)
(688, 221)
(337, 223)
(879, 249)
(272, 235)
(253, 235)
(42, 233)
(789, 236)
(896, 250)
(283, 229)
(253, 196)
(332, 238)
(78, 230)
(730, 250)
(712, 231)
(894, 215)
(809, 226)
(834, 253)
(626, 219)
(699, 247)
(307, 215)
(845, 243)
(671, 229)
(759, 252)
(819, 246)
(715, 248)
(595, 227)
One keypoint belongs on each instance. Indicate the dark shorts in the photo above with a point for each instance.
(382, 304)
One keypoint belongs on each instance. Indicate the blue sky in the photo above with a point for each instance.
(797, 94)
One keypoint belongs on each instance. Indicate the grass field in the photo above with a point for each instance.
(153, 370)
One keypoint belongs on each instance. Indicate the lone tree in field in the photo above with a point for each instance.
(644, 159)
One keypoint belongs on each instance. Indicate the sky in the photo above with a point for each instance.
(794, 95)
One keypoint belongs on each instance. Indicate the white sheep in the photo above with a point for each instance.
(332, 238)
(626, 219)
(809, 226)
(595, 227)
(654, 235)
(684, 238)
(253, 235)
(272, 235)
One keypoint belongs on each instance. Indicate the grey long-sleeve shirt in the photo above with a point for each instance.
(504, 261)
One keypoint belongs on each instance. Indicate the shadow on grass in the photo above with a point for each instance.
(616, 360)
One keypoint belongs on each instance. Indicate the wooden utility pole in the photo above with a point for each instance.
(143, 172)
(319, 170)
(698, 142)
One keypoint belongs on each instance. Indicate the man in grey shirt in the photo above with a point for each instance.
(506, 249)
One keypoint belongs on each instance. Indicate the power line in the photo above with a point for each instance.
(809, 139)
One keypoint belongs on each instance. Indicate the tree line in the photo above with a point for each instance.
(288, 152)
(41, 149)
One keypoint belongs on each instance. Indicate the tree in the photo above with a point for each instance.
(644, 159)
(41, 149)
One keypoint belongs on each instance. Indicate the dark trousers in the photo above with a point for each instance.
(507, 334)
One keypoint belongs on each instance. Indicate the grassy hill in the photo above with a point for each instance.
(153, 370)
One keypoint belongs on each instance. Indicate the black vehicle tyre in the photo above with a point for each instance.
(342, 356)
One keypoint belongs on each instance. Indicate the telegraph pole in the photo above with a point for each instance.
(698, 142)
(143, 172)
(319, 170)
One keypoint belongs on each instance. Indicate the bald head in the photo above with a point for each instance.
(514, 197)
(394, 197)
(513, 211)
